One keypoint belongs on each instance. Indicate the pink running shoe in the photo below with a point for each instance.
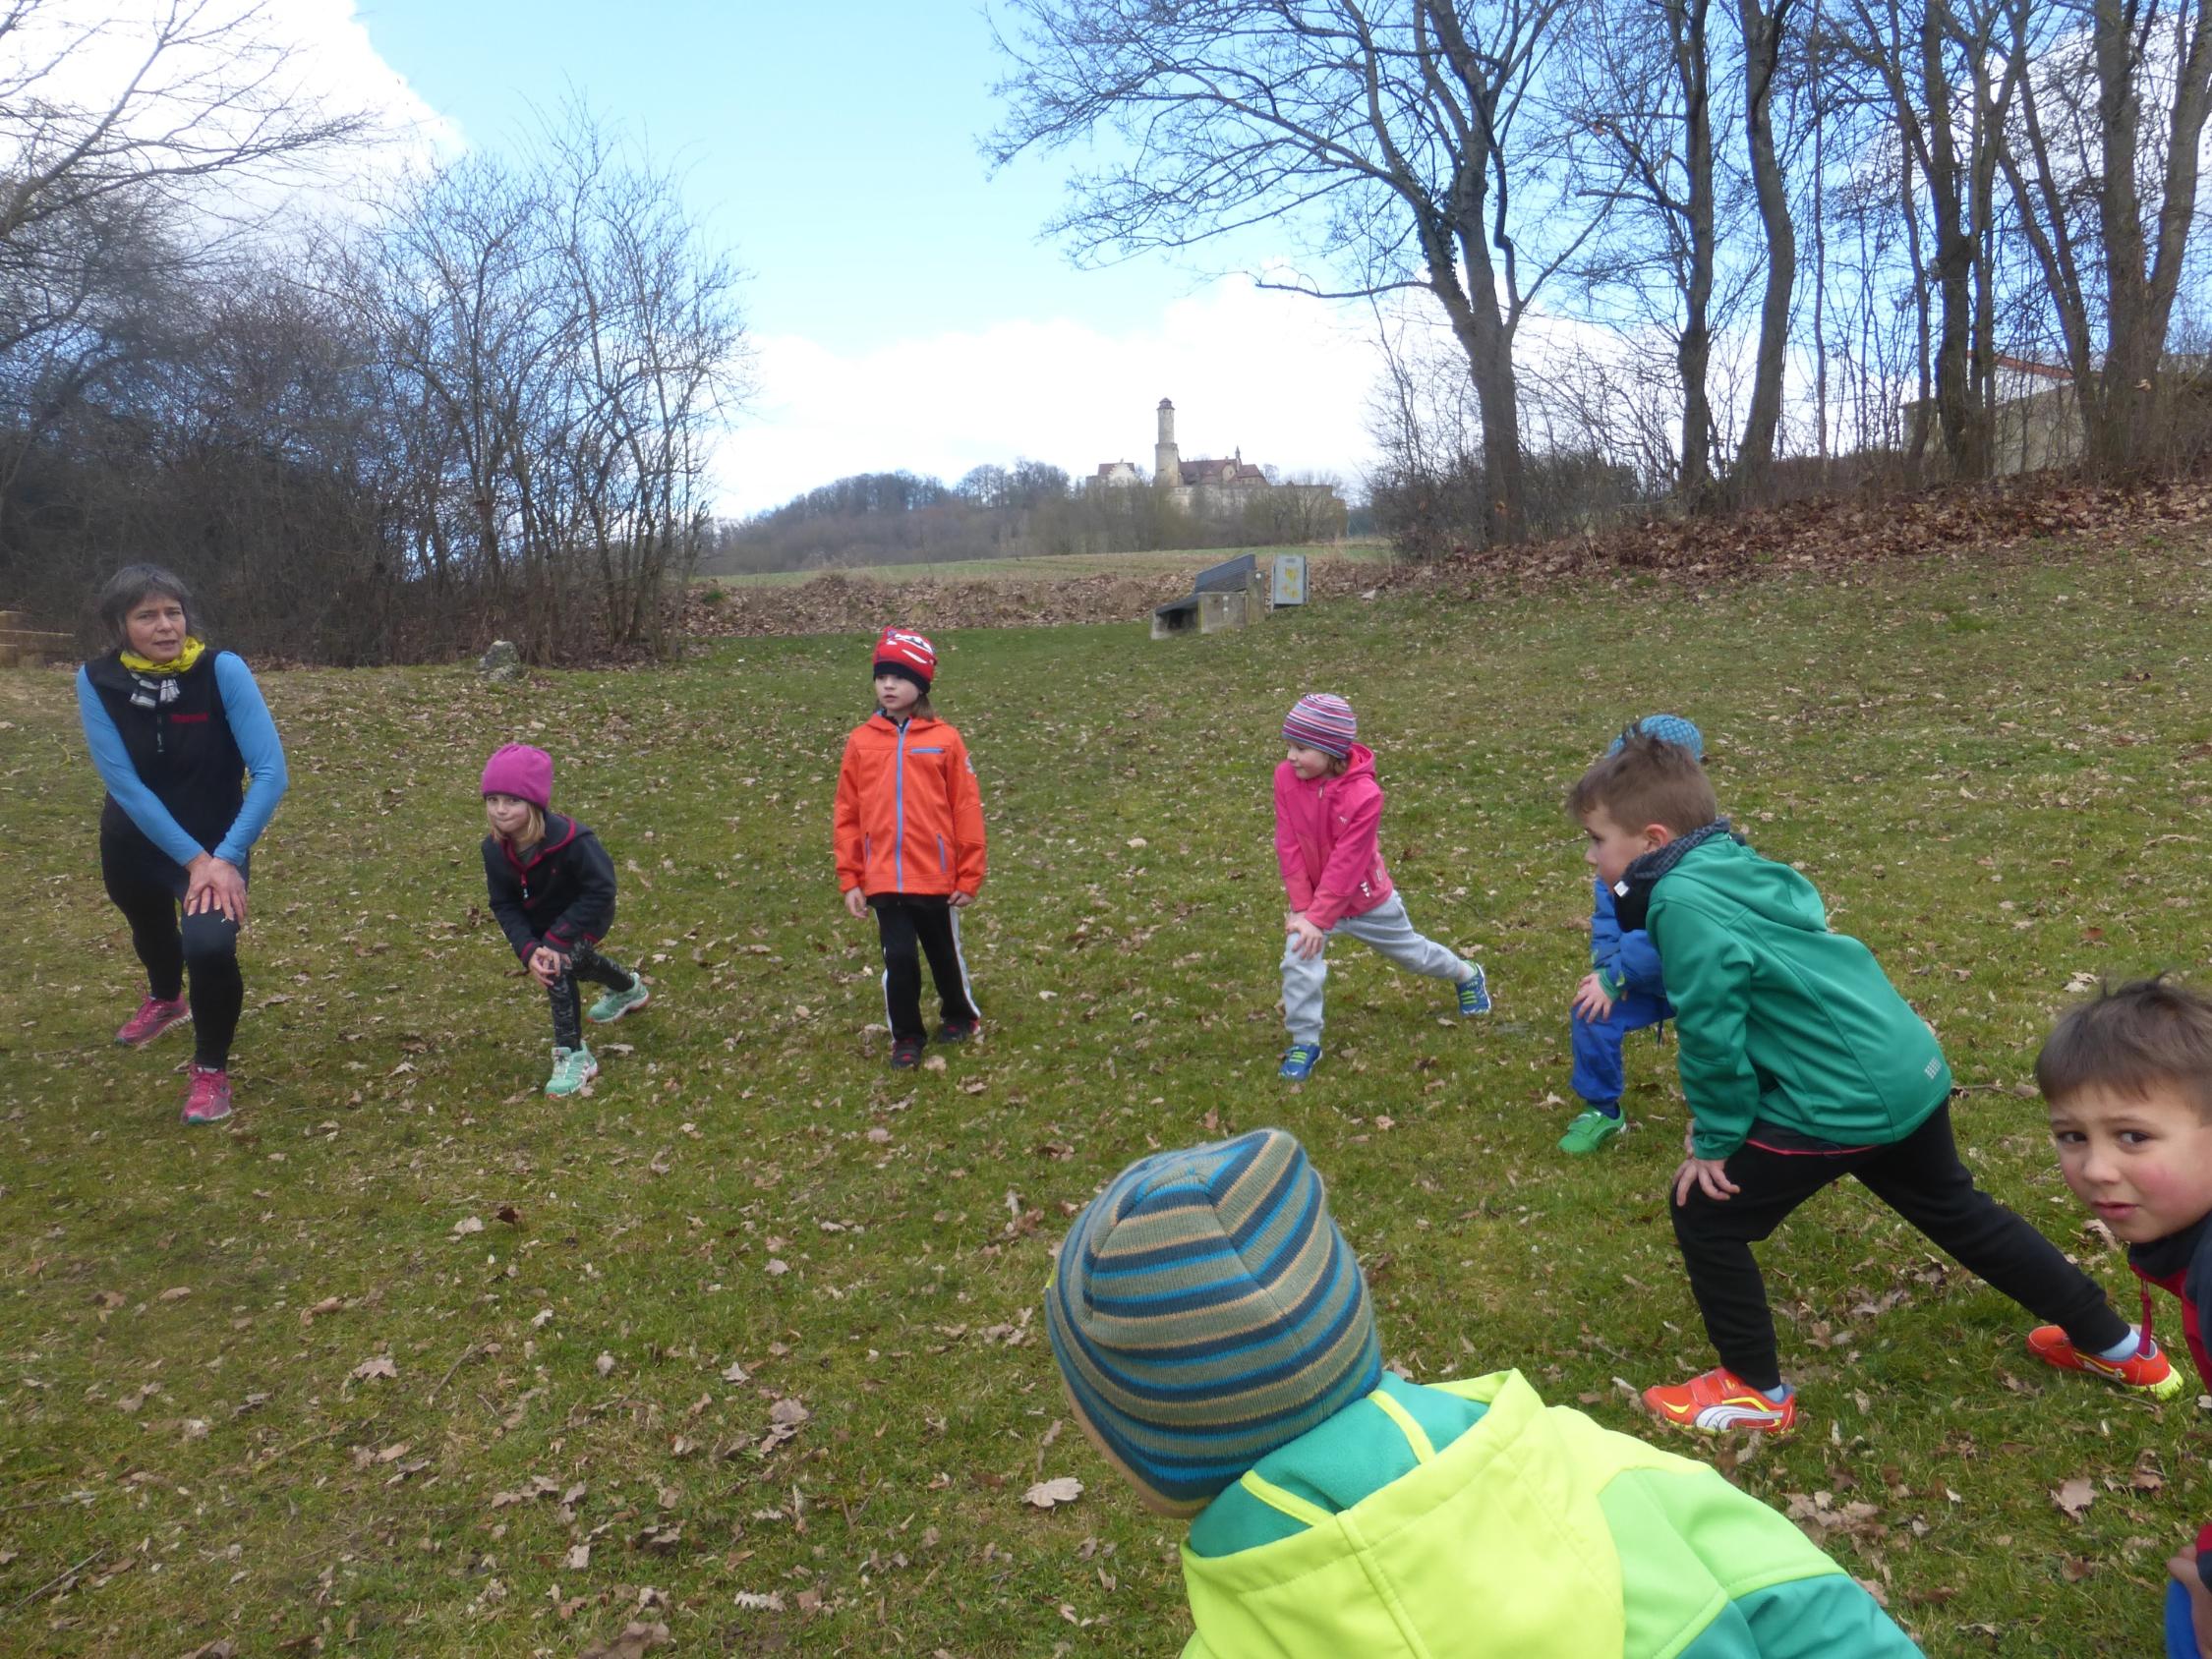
(208, 1099)
(154, 1017)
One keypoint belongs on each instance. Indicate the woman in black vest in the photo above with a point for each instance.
(174, 728)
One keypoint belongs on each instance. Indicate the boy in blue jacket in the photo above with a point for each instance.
(1623, 991)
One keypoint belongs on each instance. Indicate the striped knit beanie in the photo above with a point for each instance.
(1206, 1311)
(1667, 728)
(1320, 721)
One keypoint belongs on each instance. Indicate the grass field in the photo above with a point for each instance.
(1057, 565)
(408, 1359)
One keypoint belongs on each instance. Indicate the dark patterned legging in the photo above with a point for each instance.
(584, 963)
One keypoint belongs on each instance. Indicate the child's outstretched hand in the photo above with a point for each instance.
(2184, 1568)
(1310, 939)
(855, 904)
(1590, 1000)
(547, 964)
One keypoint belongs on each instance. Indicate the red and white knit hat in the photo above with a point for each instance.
(1318, 720)
(903, 651)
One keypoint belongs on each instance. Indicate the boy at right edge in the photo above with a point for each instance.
(2128, 1077)
(1801, 1064)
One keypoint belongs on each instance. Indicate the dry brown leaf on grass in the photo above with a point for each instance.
(637, 1639)
(1051, 1494)
(375, 1366)
(468, 1225)
(2076, 1496)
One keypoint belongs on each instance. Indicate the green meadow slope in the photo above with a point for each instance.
(408, 1359)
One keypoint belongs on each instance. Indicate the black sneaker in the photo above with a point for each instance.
(960, 1030)
(905, 1054)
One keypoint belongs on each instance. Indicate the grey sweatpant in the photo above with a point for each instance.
(1386, 928)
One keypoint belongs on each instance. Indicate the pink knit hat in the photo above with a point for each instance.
(1322, 721)
(517, 770)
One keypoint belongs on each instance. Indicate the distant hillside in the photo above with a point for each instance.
(1029, 509)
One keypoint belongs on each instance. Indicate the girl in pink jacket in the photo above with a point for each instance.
(1328, 818)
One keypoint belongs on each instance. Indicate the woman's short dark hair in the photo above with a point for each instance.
(131, 585)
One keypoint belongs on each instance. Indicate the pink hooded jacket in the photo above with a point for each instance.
(1328, 832)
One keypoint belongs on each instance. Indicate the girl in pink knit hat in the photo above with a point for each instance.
(1328, 824)
(553, 888)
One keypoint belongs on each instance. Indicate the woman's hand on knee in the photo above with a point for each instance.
(214, 883)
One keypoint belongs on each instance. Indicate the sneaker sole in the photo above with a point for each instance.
(123, 1041)
(1751, 1425)
(217, 1118)
(642, 1002)
(563, 1093)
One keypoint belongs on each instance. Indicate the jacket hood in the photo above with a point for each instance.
(1498, 1520)
(1772, 892)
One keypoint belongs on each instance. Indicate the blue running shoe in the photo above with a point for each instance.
(1475, 995)
(1298, 1063)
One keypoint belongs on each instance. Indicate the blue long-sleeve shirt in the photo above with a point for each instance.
(1626, 959)
(251, 728)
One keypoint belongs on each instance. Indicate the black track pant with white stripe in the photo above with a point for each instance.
(914, 926)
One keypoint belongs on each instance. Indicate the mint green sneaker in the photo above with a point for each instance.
(616, 1003)
(1589, 1133)
(572, 1069)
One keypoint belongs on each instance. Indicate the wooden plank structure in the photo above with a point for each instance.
(22, 646)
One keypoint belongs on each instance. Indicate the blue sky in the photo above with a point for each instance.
(905, 311)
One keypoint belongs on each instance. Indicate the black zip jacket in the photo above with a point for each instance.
(562, 892)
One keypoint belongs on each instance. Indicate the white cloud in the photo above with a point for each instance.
(1282, 377)
(315, 54)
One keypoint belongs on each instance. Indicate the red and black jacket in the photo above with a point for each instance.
(561, 893)
(2181, 1262)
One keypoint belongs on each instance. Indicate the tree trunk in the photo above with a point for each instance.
(2139, 286)
(1955, 409)
(1693, 354)
(1762, 39)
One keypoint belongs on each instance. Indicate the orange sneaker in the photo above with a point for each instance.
(1720, 1399)
(2147, 1369)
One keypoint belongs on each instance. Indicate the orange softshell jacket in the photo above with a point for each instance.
(909, 818)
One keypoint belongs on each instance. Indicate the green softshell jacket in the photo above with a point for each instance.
(1777, 1018)
(1533, 1535)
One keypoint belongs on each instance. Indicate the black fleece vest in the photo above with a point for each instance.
(180, 748)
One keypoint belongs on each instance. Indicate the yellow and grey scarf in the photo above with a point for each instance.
(178, 665)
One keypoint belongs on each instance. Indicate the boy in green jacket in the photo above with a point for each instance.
(1801, 1064)
(1217, 1343)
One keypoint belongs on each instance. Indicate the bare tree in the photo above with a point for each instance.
(1382, 130)
(201, 92)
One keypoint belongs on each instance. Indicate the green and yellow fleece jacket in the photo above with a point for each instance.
(1469, 1521)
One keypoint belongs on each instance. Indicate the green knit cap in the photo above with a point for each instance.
(1206, 1311)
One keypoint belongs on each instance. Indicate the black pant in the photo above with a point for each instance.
(584, 963)
(147, 884)
(912, 926)
(1921, 1178)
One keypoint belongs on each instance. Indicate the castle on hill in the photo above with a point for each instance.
(1208, 487)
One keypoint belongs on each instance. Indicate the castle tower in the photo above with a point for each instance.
(1167, 465)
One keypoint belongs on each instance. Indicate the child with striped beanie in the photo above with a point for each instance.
(1218, 1347)
(1328, 827)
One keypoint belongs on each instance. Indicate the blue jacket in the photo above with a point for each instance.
(1626, 961)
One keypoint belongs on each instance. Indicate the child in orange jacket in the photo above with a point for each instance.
(909, 844)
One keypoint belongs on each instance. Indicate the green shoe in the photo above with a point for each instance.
(616, 1003)
(572, 1069)
(1587, 1133)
